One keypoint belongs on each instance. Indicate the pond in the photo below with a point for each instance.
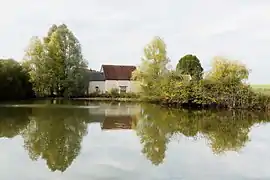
(68, 140)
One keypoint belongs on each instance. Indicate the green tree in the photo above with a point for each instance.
(153, 67)
(228, 71)
(190, 65)
(35, 63)
(14, 81)
(57, 64)
(227, 84)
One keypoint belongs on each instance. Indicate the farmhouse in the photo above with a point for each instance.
(113, 77)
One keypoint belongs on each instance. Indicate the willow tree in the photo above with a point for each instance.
(153, 67)
(56, 62)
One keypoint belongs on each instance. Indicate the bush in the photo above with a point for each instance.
(222, 87)
(114, 94)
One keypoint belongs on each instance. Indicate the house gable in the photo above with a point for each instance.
(116, 72)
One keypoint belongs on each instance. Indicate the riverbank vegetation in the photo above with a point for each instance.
(14, 81)
(53, 66)
(188, 86)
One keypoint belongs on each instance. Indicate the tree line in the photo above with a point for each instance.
(52, 66)
(224, 86)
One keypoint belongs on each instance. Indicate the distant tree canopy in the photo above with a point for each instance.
(223, 86)
(56, 64)
(190, 65)
(14, 81)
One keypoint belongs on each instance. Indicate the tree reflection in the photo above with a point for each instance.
(13, 121)
(55, 135)
(154, 134)
(224, 130)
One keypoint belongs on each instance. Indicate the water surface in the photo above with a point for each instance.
(67, 140)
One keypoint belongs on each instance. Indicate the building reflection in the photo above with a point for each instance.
(118, 122)
(115, 116)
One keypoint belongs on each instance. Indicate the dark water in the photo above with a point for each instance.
(64, 140)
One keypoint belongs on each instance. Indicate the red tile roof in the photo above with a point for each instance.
(116, 72)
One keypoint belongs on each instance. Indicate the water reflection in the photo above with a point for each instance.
(55, 134)
(118, 122)
(224, 131)
(13, 121)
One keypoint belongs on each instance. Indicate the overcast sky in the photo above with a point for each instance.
(116, 31)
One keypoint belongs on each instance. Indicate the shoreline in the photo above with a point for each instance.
(164, 104)
(109, 99)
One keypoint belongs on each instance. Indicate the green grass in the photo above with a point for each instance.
(262, 88)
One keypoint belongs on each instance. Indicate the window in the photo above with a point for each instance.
(123, 89)
(97, 89)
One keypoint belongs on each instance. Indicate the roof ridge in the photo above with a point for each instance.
(118, 65)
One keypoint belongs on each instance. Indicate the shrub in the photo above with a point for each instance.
(114, 92)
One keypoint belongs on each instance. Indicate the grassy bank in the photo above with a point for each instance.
(261, 88)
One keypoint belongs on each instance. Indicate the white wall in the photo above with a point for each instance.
(122, 110)
(93, 84)
(132, 86)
